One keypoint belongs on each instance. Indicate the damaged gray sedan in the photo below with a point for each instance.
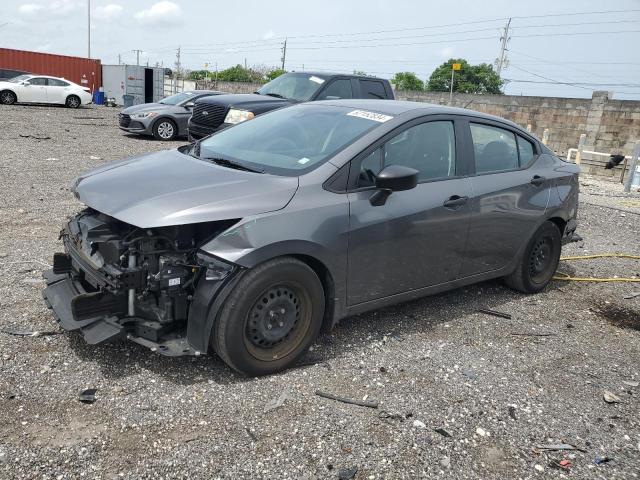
(251, 241)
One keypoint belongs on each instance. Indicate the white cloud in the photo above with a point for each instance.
(160, 13)
(29, 8)
(269, 35)
(64, 7)
(108, 12)
(446, 52)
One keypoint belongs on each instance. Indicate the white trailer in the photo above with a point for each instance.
(145, 84)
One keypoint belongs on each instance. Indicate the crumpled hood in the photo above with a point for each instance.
(170, 188)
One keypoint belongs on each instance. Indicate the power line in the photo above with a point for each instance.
(547, 78)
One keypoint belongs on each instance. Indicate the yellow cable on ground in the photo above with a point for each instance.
(565, 277)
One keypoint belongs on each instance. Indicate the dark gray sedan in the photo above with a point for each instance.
(251, 241)
(165, 120)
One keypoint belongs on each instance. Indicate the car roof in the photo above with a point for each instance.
(327, 75)
(400, 107)
(203, 92)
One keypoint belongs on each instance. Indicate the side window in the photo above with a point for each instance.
(53, 82)
(525, 149)
(369, 168)
(429, 147)
(372, 89)
(340, 88)
(38, 81)
(495, 148)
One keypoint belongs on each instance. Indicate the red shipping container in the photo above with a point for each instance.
(83, 71)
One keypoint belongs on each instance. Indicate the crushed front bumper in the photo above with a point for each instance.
(61, 293)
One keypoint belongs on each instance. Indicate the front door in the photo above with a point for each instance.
(36, 91)
(417, 238)
(510, 196)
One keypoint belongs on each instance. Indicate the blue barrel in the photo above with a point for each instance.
(128, 100)
(98, 98)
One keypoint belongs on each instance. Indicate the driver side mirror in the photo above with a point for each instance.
(394, 178)
(189, 105)
(26, 83)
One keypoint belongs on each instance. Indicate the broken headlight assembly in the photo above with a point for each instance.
(215, 269)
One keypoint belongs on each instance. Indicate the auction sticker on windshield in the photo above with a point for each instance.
(376, 117)
(316, 79)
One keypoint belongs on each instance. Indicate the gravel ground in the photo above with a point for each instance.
(462, 394)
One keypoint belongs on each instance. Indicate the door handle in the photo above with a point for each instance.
(537, 180)
(455, 201)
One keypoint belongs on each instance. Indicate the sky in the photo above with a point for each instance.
(555, 48)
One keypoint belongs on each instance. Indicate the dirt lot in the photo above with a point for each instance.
(462, 394)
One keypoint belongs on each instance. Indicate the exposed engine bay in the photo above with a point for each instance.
(117, 279)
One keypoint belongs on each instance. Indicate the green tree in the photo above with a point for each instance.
(199, 75)
(469, 79)
(407, 81)
(275, 73)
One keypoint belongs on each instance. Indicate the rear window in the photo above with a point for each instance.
(372, 89)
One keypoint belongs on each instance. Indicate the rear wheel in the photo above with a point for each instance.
(165, 129)
(7, 97)
(73, 101)
(539, 262)
(271, 318)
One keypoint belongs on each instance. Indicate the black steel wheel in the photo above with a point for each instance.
(73, 101)
(271, 318)
(165, 129)
(7, 97)
(539, 261)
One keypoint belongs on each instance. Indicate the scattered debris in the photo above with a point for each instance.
(29, 333)
(88, 395)
(558, 447)
(469, 373)
(494, 313)
(601, 460)
(445, 462)
(36, 137)
(534, 334)
(442, 432)
(383, 414)
(631, 384)
(347, 473)
(418, 424)
(512, 412)
(276, 402)
(363, 403)
(482, 432)
(631, 295)
(51, 159)
(93, 157)
(250, 433)
(561, 465)
(610, 397)
(539, 467)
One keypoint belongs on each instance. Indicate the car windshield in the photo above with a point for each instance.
(177, 98)
(19, 78)
(289, 140)
(294, 86)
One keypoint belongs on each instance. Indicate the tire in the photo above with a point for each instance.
(165, 130)
(539, 261)
(73, 101)
(271, 318)
(7, 97)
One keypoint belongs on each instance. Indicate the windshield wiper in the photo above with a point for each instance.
(231, 164)
(277, 95)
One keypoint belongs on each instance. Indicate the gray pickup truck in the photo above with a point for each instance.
(211, 114)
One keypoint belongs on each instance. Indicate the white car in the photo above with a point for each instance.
(43, 89)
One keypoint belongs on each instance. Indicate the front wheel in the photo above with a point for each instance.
(7, 97)
(539, 262)
(73, 101)
(271, 318)
(165, 129)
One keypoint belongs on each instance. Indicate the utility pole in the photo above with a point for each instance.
(245, 63)
(284, 52)
(177, 72)
(119, 60)
(502, 61)
(88, 28)
(137, 52)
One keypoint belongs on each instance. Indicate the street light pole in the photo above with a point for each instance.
(451, 87)
(88, 28)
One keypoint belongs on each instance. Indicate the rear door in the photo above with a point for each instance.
(417, 238)
(372, 88)
(510, 195)
(36, 91)
(57, 90)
